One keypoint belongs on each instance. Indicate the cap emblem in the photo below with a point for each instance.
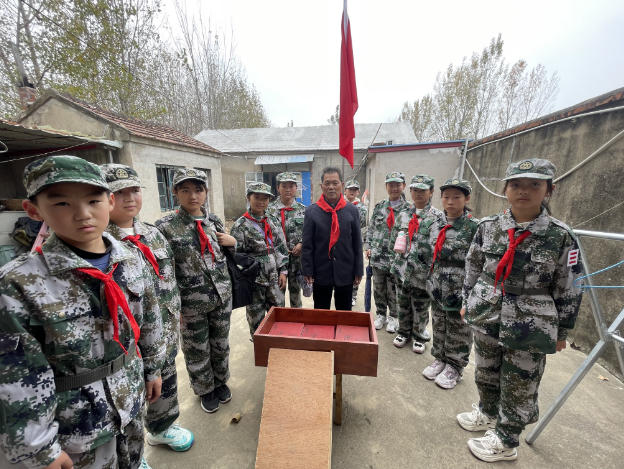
(525, 166)
(121, 174)
(420, 180)
(191, 173)
(455, 181)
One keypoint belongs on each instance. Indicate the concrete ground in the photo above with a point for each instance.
(401, 420)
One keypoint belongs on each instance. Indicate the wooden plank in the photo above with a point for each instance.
(289, 329)
(321, 332)
(296, 425)
(352, 333)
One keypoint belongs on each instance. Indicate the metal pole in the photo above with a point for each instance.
(462, 162)
(618, 341)
(600, 234)
(593, 295)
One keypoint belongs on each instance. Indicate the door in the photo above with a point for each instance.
(306, 188)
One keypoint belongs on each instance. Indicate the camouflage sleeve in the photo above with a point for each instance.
(28, 433)
(363, 222)
(281, 250)
(151, 340)
(566, 296)
(475, 260)
(239, 234)
(370, 231)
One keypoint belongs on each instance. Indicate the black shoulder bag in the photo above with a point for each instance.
(243, 270)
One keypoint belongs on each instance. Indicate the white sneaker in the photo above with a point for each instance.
(418, 347)
(433, 370)
(144, 464)
(178, 438)
(380, 321)
(448, 378)
(476, 420)
(352, 301)
(400, 341)
(425, 336)
(393, 325)
(489, 448)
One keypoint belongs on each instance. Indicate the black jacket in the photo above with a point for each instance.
(347, 261)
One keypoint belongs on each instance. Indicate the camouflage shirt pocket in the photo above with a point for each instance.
(13, 360)
(67, 327)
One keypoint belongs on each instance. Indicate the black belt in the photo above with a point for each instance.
(515, 290)
(266, 252)
(461, 264)
(65, 383)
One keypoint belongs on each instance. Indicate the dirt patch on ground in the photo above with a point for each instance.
(228, 225)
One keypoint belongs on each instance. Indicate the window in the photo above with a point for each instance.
(164, 177)
(250, 178)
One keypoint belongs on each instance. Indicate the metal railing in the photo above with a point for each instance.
(608, 334)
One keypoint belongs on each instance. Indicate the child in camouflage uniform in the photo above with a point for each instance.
(205, 287)
(80, 331)
(445, 250)
(149, 243)
(379, 245)
(288, 213)
(411, 273)
(260, 236)
(352, 191)
(520, 300)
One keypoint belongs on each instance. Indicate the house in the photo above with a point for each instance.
(153, 150)
(250, 155)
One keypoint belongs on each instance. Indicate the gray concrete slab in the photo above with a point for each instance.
(401, 420)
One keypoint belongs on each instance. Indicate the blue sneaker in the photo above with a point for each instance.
(144, 464)
(178, 438)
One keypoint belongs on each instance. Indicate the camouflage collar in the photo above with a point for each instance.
(457, 224)
(537, 225)
(279, 204)
(117, 232)
(60, 258)
(425, 209)
(187, 218)
(256, 217)
(404, 203)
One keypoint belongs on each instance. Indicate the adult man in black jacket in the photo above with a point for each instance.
(332, 244)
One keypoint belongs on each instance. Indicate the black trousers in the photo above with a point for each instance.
(322, 295)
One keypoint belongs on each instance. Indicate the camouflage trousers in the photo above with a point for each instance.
(452, 337)
(355, 292)
(123, 451)
(294, 289)
(263, 298)
(384, 292)
(205, 333)
(413, 310)
(508, 382)
(166, 410)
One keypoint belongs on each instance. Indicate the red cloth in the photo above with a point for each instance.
(149, 255)
(288, 209)
(335, 227)
(439, 244)
(508, 257)
(390, 219)
(268, 234)
(348, 91)
(412, 227)
(203, 240)
(356, 202)
(115, 298)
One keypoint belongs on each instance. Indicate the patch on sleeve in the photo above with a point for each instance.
(573, 257)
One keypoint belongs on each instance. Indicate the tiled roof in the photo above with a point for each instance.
(297, 139)
(138, 127)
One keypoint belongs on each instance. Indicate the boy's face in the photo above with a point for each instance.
(352, 193)
(128, 203)
(78, 213)
(287, 190)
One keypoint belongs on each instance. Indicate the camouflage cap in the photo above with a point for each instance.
(120, 176)
(183, 174)
(395, 177)
(61, 168)
(260, 188)
(352, 183)
(286, 177)
(536, 168)
(459, 183)
(422, 181)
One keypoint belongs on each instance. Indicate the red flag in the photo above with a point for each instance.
(348, 91)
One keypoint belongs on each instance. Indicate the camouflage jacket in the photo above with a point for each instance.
(250, 239)
(379, 238)
(193, 271)
(446, 280)
(527, 322)
(363, 210)
(167, 289)
(408, 267)
(54, 321)
(294, 227)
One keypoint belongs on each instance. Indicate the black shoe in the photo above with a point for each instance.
(224, 394)
(210, 402)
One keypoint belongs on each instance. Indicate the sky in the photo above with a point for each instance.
(291, 48)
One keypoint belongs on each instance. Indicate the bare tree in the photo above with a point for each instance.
(335, 118)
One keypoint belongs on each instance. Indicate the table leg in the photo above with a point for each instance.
(338, 397)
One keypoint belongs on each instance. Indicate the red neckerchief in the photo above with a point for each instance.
(413, 226)
(439, 244)
(356, 202)
(335, 227)
(508, 257)
(288, 209)
(203, 240)
(268, 234)
(147, 252)
(115, 298)
(390, 219)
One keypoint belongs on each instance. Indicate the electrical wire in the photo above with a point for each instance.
(483, 185)
(42, 154)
